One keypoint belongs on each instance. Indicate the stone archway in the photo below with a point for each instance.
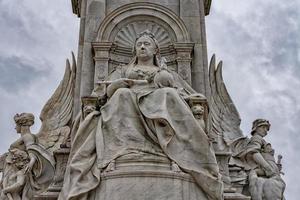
(136, 10)
(117, 33)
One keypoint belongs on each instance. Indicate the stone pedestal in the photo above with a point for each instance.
(235, 196)
(147, 179)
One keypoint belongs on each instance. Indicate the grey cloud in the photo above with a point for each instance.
(260, 48)
(36, 37)
(16, 74)
(19, 24)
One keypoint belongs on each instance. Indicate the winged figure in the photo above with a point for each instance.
(57, 113)
(224, 119)
(29, 166)
(253, 155)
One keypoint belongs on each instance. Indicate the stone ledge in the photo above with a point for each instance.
(147, 173)
(235, 196)
(207, 4)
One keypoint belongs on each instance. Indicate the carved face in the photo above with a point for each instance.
(262, 130)
(88, 109)
(145, 48)
(18, 128)
(197, 110)
(18, 157)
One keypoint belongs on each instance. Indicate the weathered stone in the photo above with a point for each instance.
(141, 117)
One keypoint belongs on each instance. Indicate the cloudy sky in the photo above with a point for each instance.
(258, 42)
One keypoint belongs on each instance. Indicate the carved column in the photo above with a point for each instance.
(184, 59)
(101, 58)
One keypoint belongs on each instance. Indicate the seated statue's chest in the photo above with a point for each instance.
(141, 73)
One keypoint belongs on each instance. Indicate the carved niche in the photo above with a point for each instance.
(118, 31)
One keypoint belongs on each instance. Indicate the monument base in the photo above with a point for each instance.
(147, 179)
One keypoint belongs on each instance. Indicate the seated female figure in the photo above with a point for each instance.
(145, 114)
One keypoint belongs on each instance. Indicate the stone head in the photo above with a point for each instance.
(261, 127)
(89, 104)
(197, 110)
(18, 157)
(197, 103)
(146, 47)
(23, 119)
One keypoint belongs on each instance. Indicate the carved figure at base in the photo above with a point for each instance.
(14, 177)
(28, 164)
(146, 114)
(265, 182)
(198, 104)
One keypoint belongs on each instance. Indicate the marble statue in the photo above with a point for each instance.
(198, 104)
(257, 156)
(146, 113)
(29, 166)
(141, 116)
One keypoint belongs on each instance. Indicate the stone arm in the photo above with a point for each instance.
(164, 78)
(32, 161)
(18, 186)
(19, 142)
(119, 83)
(101, 88)
(254, 149)
(4, 181)
(259, 159)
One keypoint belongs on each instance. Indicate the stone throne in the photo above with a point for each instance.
(108, 29)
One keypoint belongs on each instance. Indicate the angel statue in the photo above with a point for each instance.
(29, 166)
(257, 156)
(38, 172)
(146, 113)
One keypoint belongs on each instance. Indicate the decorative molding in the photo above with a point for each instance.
(127, 34)
(207, 5)
(147, 173)
(76, 6)
(146, 10)
(184, 60)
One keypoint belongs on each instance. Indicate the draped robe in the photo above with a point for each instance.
(146, 119)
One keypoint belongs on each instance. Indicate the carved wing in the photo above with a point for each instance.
(57, 112)
(224, 119)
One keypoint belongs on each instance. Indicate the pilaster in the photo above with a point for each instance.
(101, 58)
(184, 60)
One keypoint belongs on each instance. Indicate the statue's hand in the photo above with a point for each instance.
(5, 191)
(269, 172)
(163, 78)
(119, 83)
(279, 167)
(28, 169)
(30, 165)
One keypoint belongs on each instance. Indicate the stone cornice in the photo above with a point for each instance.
(76, 7)
(207, 4)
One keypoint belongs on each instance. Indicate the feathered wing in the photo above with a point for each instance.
(57, 112)
(224, 119)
